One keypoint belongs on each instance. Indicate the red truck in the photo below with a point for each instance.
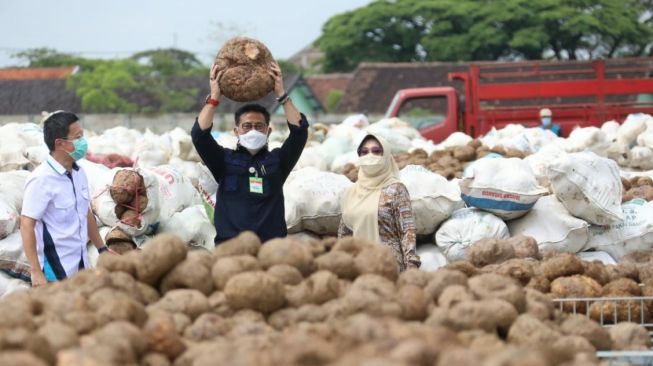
(494, 94)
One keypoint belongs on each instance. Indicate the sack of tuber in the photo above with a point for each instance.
(13, 260)
(634, 232)
(465, 227)
(192, 225)
(589, 186)
(505, 187)
(432, 197)
(129, 199)
(312, 201)
(8, 218)
(552, 226)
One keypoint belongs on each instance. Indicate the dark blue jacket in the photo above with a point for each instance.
(236, 208)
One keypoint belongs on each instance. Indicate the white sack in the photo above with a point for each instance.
(632, 127)
(12, 185)
(589, 186)
(506, 187)
(551, 225)
(432, 197)
(431, 257)
(312, 201)
(641, 158)
(176, 192)
(455, 139)
(635, 232)
(465, 227)
(540, 161)
(193, 226)
(312, 157)
(8, 219)
(339, 163)
(13, 260)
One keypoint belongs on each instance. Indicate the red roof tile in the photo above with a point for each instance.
(45, 73)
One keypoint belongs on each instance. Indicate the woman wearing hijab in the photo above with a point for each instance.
(377, 207)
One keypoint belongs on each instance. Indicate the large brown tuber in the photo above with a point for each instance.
(245, 63)
(158, 256)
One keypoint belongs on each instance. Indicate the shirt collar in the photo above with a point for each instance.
(54, 164)
(240, 147)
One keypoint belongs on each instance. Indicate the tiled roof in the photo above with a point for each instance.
(373, 85)
(35, 96)
(43, 73)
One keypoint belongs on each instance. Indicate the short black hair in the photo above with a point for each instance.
(252, 107)
(57, 126)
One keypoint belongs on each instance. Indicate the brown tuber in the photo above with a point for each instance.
(255, 290)
(158, 256)
(245, 63)
(490, 251)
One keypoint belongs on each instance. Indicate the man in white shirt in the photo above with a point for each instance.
(56, 221)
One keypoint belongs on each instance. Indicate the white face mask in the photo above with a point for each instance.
(253, 140)
(371, 165)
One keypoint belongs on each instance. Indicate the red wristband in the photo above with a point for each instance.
(211, 101)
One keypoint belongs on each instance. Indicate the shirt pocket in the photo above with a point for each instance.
(65, 211)
(85, 200)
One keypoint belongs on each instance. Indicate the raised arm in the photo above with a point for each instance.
(209, 150)
(292, 114)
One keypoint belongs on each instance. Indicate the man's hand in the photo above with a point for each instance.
(38, 278)
(214, 81)
(275, 72)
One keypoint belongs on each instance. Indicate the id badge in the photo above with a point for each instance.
(256, 185)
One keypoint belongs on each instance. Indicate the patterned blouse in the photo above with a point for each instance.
(396, 225)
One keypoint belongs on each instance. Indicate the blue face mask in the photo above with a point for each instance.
(81, 147)
(546, 121)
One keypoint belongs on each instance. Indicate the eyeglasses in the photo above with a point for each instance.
(258, 126)
(73, 139)
(374, 150)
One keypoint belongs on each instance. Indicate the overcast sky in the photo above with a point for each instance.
(118, 28)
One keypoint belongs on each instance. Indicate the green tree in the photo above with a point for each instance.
(288, 67)
(333, 99)
(141, 83)
(47, 57)
(170, 62)
(463, 30)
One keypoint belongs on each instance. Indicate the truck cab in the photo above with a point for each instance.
(433, 111)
